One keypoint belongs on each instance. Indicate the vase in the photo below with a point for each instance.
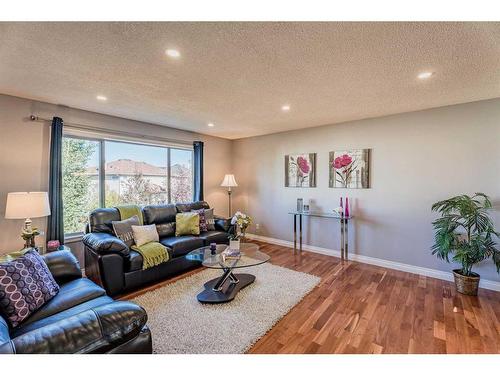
(347, 207)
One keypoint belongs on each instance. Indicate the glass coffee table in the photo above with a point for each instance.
(224, 288)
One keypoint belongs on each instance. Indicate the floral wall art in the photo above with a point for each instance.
(350, 169)
(300, 170)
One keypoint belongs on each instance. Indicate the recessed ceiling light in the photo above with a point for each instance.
(101, 98)
(285, 108)
(210, 125)
(425, 75)
(173, 53)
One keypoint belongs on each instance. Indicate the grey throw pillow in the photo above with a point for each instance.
(123, 229)
(209, 218)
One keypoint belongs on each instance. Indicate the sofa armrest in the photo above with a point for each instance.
(63, 265)
(224, 224)
(93, 331)
(105, 243)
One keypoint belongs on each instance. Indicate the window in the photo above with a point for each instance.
(80, 181)
(135, 174)
(181, 175)
(104, 173)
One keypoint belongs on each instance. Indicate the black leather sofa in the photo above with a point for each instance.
(81, 318)
(110, 263)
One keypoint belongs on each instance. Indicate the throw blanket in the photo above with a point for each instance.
(13, 255)
(127, 211)
(153, 253)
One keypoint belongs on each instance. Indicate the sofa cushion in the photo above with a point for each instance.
(90, 304)
(136, 260)
(186, 207)
(135, 263)
(159, 214)
(70, 294)
(182, 245)
(216, 236)
(26, 284)
(166, 229)
(95, 330)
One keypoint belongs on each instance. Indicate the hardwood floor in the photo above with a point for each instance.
(360, 308)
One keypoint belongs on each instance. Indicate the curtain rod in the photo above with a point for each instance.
(112, 132)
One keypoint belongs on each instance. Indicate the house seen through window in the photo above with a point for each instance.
(131, 173)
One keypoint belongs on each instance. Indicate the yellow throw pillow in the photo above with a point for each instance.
(187, 223)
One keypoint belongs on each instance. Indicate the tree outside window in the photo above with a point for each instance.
(134, 174)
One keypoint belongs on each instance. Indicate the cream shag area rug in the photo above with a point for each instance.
(180, 324)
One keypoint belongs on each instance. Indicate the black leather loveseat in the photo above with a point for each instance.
(81, 318)
(110, 263)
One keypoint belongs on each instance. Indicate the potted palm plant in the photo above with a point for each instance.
(466, 232)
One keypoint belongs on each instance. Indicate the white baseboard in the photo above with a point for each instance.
(443, 275)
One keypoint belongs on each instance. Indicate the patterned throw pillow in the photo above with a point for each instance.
(26, 284)
(207, 221)
(123, 229)
(203, 221)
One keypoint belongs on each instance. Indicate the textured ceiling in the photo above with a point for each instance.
(238, 75)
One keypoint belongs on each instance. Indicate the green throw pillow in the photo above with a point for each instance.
(187, 223)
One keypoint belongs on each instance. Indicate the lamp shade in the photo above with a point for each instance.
(23, 205)
(229, 181)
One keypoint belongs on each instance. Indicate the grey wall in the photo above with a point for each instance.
(24, 147)
(418, 158)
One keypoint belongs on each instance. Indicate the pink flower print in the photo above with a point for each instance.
(303, 165)
(344, 166)
(337, 163)
(346, 160)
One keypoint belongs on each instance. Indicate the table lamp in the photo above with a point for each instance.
(27, 205)
(229, 182)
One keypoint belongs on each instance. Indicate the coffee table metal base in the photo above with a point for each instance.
(224, 289)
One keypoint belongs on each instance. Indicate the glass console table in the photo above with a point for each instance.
(344, 229)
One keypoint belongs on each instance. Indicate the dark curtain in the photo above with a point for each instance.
(198, 171)
(55, 227)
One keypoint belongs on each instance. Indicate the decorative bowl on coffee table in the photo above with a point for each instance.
(225, 288)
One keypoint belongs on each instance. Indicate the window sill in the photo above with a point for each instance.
(72, 238)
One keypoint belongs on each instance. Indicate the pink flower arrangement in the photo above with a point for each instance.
(303, 165)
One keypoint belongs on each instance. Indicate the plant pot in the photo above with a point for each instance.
(235, 245)
(466, 284)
